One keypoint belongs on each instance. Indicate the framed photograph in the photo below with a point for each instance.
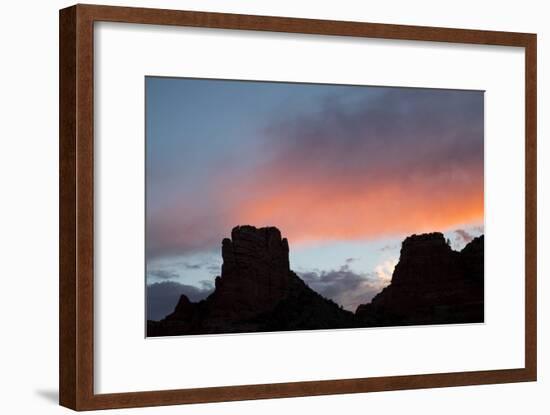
(259, 207)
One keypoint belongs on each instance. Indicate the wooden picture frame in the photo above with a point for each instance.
(76, 305)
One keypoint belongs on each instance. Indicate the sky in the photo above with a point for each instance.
(345, 172)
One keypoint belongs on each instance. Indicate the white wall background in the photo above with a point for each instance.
(29, 210)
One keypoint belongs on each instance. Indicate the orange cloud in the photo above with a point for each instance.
(396, 162)
(332, 211)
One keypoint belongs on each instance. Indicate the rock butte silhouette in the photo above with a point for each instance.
(258, 292)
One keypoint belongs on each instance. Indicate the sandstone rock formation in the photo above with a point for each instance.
(256, 291)
(431, 284)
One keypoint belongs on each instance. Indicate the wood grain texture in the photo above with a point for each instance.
(77, 210)
(67, 208)
(531, 206)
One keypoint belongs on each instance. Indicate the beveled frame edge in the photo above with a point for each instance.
(76, 206)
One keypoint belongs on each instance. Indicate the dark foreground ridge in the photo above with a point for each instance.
(257, 291)
(431, 284)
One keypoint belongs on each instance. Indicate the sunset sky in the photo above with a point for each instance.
(345, 172)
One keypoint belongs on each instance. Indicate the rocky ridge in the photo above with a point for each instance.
(257, 291)
(431, 284)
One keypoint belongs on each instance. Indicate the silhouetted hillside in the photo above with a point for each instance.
(257, 291)
(431, 284)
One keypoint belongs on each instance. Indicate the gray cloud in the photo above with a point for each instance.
(464, 236)
(175, 270)
(344, 286)
(207, 285)
(163, 274)
(420, 131)
(192, 266)
(162, 297)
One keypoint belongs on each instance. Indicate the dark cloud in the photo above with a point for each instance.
(399, 156)
(177, 269)
(192, 266)
(162, 297)
(163, 274)
(350, 260)
(344, 286)
(396, 132)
